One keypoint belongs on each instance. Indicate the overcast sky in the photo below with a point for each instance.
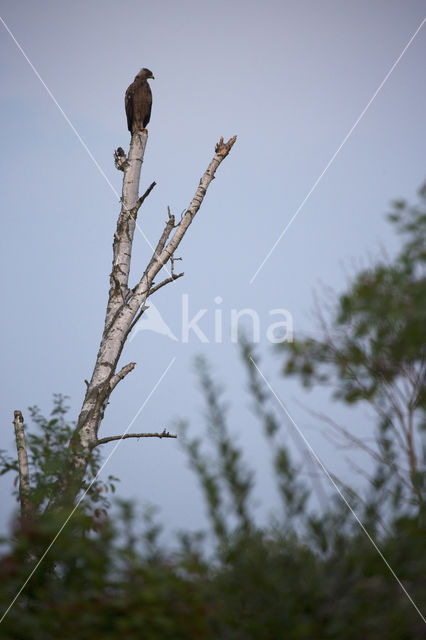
(291, 79)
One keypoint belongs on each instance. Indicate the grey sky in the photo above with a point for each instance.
(290, 79)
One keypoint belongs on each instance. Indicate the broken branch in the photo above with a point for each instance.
(121, 374)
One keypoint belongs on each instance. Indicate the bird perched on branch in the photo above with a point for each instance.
(138, 101)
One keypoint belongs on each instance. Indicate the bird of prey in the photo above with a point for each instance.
(138, 101)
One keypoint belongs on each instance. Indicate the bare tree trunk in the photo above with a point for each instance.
(126, 305)
(24, 474)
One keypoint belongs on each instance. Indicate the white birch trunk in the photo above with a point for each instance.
(24, 474)
(126, 305)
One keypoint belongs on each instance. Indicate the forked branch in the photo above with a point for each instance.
(125, 304)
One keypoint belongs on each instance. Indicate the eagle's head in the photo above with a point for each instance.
(144, 74)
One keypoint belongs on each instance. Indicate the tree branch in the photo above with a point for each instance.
(163, 239)
(145, 195)
(125, 305)
(174, 276)
(120, 158)
(222, 149)
(163, 434)
(121, 374)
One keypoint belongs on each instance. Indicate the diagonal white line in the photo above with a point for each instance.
(327, 473)
(80, 139)
(92, 157)
(88, 488)
(333, 157)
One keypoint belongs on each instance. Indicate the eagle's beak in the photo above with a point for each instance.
(152, 77)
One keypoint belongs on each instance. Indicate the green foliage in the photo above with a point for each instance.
(224, 479)
(48, 453)
(309, 574)
(373, 350)
(315, 575)
(105, 585)
(379, 326)
(293, 493)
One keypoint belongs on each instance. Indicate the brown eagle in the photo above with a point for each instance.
(138, 101)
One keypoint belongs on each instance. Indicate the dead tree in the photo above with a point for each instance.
(24, 475)
(125, 306)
